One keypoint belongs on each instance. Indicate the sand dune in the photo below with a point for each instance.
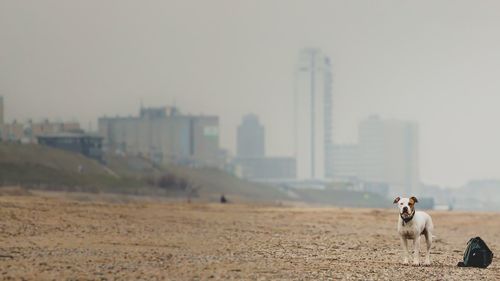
(53, 237)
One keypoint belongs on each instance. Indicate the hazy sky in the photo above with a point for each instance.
(435, 62)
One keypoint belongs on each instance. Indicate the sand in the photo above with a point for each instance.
(53, 237)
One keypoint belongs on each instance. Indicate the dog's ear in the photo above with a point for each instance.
(414, 199)
(396, 200)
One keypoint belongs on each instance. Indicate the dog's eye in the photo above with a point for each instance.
(401, 204)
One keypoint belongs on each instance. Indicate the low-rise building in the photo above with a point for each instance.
(86, 144)
(28, 132)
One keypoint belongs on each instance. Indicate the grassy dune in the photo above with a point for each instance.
(43, 167)
(50, 158)
(34, 165)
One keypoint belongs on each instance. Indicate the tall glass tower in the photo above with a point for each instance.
(313, 114)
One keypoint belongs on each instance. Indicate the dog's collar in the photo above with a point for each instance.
(406, 220)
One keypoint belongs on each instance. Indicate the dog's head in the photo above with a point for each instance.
(406, 206)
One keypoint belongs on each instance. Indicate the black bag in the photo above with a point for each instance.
(477, 254)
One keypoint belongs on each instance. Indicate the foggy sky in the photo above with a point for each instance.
(434, 62)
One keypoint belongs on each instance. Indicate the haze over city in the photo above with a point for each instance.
(249, 140)
(436, 63)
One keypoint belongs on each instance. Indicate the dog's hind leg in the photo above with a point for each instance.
(428, 242)
(406, 253)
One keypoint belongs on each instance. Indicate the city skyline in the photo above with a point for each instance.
(411, 179)
(440, 73)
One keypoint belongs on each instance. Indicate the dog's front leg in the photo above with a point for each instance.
(416, 251)
(406, 253)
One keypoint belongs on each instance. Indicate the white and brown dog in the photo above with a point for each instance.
(411, 225)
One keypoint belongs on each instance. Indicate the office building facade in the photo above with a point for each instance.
(388, 151)
(164, 135)
(346, 162)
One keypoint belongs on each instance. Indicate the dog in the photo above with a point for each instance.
(411, 225)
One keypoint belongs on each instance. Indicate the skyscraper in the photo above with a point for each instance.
(313, 114)
(250, 137)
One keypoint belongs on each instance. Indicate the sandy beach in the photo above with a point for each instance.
(60, 238)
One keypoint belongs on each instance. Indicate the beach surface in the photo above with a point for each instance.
(57, 237)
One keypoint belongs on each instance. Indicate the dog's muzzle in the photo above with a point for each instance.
(405, 214)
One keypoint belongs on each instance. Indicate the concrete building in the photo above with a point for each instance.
(250, 137)
(345, 162)
(388, 151)
(251, 162)
(86, 144)
(47, 127)
(266, 168)
(164, 135)
(312, 114)
(204, 140)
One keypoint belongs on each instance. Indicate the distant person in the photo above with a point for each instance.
(223, 199)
